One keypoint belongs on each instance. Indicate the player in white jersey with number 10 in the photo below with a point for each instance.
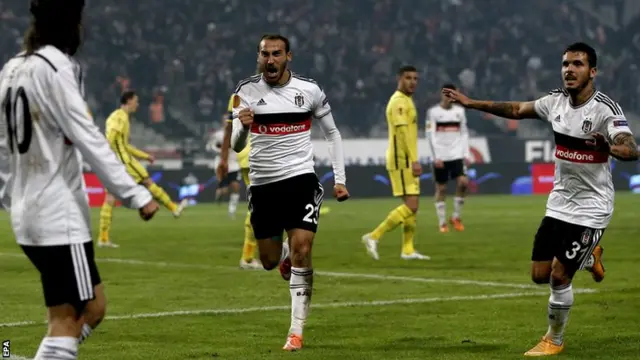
(47, 123)
(588, 128)
(276, 109)
(448, 135)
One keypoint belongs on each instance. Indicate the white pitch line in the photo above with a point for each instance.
(324, 273)
(18, 357)
(315, 306)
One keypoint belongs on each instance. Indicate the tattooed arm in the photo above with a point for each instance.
(509, 110)
(624, 147)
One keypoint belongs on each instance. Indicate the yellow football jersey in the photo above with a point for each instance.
(243, 156)
(402, 119)
(117, 132)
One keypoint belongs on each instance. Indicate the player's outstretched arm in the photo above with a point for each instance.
(239, 134)
(624, 147)
(79, 128)
(509, 109)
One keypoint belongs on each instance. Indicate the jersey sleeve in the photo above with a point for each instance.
(614, 120)
(321, 106)
(543, 106)
(399, 112)
(71, 114)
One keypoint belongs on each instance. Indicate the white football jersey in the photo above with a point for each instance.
(582, 189)
(48, 126)
(447, 132)
(232, 160)
(281, 131)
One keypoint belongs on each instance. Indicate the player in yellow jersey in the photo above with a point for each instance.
(248, 260)
(403, 167)
(117, 131)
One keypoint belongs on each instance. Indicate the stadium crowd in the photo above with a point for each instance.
(184, 57)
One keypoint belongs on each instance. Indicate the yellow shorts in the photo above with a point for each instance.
(137, 171)
(245, 176)
(404, 183)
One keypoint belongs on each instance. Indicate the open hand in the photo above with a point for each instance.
(456, 96)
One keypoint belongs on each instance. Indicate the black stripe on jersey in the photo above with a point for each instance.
(395, 150)
(571, 142)
(282, 118)
(559, 91)
(250, 79)
(47, 60)
(296, 76)
(613, 106)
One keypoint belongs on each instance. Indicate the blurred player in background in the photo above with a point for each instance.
(117, 131)
(588, 128)
(230, 183)
(448, 135)
(247, 260)
(403, 166)
(275, 109)
(41, 92)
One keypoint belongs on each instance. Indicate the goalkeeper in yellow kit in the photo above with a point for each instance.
(117, 132)
(403, 167)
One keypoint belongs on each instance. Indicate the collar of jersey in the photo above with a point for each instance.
(595, 92)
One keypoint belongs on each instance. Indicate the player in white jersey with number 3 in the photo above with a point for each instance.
(588, 128)
(276, 109)
(47, 124)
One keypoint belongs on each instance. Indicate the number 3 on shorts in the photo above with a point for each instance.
(571, 254)
(312, 215)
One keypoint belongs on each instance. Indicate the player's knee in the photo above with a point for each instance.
(97, 308)
(412, 203)
(269, 262)
(540, 274)
(63, 320)
(559, 277)
(463, 183)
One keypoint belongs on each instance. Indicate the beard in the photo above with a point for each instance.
(272, 73)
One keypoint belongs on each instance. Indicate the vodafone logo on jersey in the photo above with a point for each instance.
(281, 129)
(581, 156)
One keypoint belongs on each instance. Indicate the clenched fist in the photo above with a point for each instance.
(246, 117)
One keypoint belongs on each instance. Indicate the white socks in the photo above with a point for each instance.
(441, 211)
(58, 348)
(300, 285)
(457, 207)
(85, 333)
(233, 203)
(560, 303)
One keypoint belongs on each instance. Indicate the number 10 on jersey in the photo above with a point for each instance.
(17, 115)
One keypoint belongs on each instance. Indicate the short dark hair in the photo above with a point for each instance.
(126, 96)
(449, 86)
(406, 68)
(592, 57)
(287, 46)
(56, 23)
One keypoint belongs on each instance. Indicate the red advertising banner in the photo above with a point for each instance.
(94, 189)
(542, 174)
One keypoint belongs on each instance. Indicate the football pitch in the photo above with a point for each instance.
(175, 291)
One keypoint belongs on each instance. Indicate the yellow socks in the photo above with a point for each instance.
(249, 240)
(162, 196)
(396, 217)
(105, 221)
(408, 232)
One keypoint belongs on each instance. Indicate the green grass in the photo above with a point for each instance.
(442, 325)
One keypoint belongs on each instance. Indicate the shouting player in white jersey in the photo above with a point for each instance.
(231, 181)
(276, 108)
(449, 139)
(588, 128)
(48, 124)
